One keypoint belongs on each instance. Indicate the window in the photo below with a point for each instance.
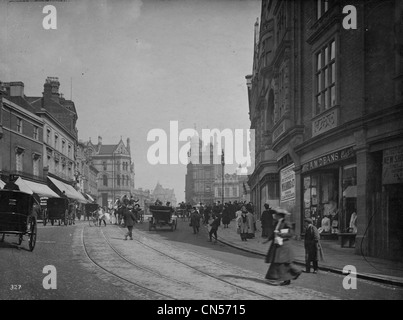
(35, 165)
(234, 191)
(69, 151)
(104, 164)
(63, 146)
(105, 180)
(325, 78)
(18, 160)
(118, 180)
(279, 108)
(127, 180)
(226, 189)
(48, 136)
(321, 7)
(56, 141)
(19, 125)
(123, 180)
(36, 133)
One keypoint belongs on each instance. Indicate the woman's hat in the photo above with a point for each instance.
(309, 220)
(282, 211)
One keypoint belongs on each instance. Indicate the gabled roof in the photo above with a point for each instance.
(107, 149)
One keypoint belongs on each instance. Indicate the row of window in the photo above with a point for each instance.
(56, 143)
(218, 192)
(120, 180)
(19, 129)
(19, 162)
(125, 166)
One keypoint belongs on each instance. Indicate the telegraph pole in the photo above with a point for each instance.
(223, 164)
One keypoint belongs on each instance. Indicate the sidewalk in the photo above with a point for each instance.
(336, 258)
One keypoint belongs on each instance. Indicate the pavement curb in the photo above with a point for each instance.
(322, 268)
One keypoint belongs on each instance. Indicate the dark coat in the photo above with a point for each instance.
(216, 223)
(195, 219)
(129, 217)
(313, 249)
(283, 253)
(226, 216)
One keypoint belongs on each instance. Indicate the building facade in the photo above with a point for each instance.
(164, 195)
(235, 188)
(326, 104)
(203, 167)
(115, 170)
(21, 135)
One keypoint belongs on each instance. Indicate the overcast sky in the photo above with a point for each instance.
(136, 65)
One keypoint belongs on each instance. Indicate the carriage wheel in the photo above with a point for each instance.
(32, 234)
(20, 239)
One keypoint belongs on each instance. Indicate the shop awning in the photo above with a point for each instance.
(69, 191)
(40, 189)
(2, 184)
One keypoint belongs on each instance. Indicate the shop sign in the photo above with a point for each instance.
(392, 166)
(287, 184)
(328, 159)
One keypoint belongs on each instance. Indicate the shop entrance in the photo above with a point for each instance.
(395, 220)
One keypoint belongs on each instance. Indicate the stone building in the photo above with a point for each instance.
(115, 170)
(164, 195)
(326, 104)
(235, 188)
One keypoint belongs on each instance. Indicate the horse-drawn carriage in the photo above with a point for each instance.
(162, 216)
(17, 216)
(58, 210)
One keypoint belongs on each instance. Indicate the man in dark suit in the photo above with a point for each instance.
(267, 221)
(130, 219)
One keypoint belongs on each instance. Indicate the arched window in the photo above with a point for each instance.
(123, 180)
(105, 180)
(118, 182)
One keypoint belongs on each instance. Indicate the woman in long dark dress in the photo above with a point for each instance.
(280, 255)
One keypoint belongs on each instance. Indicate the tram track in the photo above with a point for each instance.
(237, 287)
(109, 272)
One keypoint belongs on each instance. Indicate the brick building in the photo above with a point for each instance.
(326, 104)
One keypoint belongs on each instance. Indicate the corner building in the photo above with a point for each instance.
(326, 105)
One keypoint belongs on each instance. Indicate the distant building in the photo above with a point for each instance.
(115, 170)
(202, 169)
(235, 188)
(164, 195)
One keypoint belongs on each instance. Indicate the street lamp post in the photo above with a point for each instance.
(223, 164)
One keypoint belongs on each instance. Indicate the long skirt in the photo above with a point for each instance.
(282, 272)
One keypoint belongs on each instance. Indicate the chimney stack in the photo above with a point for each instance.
(51, 88)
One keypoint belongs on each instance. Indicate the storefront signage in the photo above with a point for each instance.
(287, 184)
(392, 166)
(328, 159)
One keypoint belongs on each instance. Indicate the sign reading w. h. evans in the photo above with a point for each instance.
(328, 159)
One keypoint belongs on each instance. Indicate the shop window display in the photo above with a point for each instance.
(321, 201)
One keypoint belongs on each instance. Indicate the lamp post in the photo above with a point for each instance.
(223, 164)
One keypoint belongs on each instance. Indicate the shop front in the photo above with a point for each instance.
(329, 192)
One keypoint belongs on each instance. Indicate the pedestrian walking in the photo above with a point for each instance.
(226, 215)
(195, 220)
(129, 219)
(313, 248)
(101, 216)
(251, 222)
(243, 224)
(280, 255)
(214, 227)
(267, 221)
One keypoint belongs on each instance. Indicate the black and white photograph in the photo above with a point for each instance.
(198, 155)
